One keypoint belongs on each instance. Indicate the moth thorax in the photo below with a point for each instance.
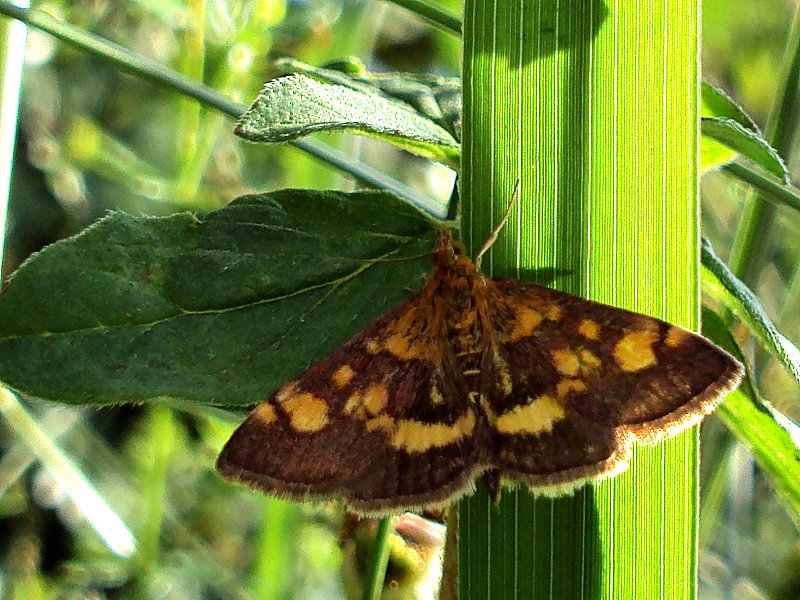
(467, 349)
(466, 337)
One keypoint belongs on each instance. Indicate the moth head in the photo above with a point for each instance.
(451, 254)
(448, 250)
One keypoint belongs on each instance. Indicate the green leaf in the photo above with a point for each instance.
(764, 430)
(737, 139)
(716, 103)
(437, 98)
(296, 105)
(728, 131)
(722, 285)
(222, 310)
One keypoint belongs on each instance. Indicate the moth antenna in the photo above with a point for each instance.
(493, 236)
(383, 260)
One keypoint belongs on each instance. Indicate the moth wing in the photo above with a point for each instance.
(382, 422)
(585, 379)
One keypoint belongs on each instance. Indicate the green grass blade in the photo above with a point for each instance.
(772, 439)
(275, 555)
(751, 240)
(771, 445)
(158, 444)
(376, 571)
(721, 284)
(55, 422)
(93, 507)
(593, 106)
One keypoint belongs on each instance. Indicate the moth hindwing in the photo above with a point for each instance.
(477, 377)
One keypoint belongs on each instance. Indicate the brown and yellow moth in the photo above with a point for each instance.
(477, 377)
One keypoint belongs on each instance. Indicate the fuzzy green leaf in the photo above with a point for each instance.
(739, 140)
(296, 105)
(724, 286)
(222, 310)
(716, 103)
(764, 430)
(437, 98)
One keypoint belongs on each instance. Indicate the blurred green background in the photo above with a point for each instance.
(92, 140)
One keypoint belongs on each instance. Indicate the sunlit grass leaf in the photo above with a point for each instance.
(755, 424)
(91, 505)
(296, 105)
(221, 310)
(722, 285)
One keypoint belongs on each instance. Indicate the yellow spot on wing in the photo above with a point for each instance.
(399, 346)
(554, 312)
(436, 396)
(537, 417)
(589, 360)
(374, 346)
(342, 376)
(417, 436)
(265, 413)
(634, 351)
(372, 401)
(675, 336)
(589, 329)
(503, 373)
(566, 362)
(354, 402)
(287, 391)
(525, 322)
(307, 412)
(566, 386)
(375, 398)
(383, 423)
(404, 339)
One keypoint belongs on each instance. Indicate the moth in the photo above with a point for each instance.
(476, 377)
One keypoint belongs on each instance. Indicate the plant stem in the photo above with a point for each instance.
(770, 189)
(160, 443)
(192, 64)
(751, 244)
(13, 37)
(373, 587)
(271, 570)
(441, 19)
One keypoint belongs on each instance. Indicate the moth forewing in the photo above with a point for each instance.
(477, 377)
